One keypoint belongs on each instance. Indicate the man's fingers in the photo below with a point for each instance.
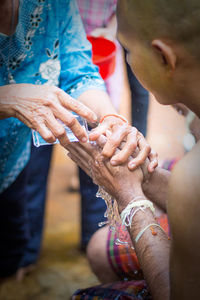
(78, 150)
(84, 151)
(127, 150)
(153, 158)
(101, 141)
(99, 130)
(144, 150)
(80, 163)
(114, 139)
(76, 106)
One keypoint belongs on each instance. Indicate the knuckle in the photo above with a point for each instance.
(49, 138)
(76, 104)
(140, 136)
(113, 141)
(99, 159)
(139, 161)
(124, 130)
(65, 144)
(34, 124)
(154, 153)
(133, 130)
(55, 89)
(60, 132)
(71, 121)
(133, 144)
(48, 101)
(120, 160)
(147, 148)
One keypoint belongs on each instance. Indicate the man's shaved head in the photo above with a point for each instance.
(177, 20)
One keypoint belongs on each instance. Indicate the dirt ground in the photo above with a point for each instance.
(62, 268)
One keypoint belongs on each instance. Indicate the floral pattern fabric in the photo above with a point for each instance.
(48, 47)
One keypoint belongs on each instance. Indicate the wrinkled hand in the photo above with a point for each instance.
(117, 131)
(118, 181)
(39, 107)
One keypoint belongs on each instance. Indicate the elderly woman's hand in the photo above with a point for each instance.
(118, 181)
(118, 131)
(40, 107)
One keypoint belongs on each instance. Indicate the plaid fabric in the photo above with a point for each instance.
(122, 290)
(122, 258)
(124, 262)
(169, 164)
(96, 13)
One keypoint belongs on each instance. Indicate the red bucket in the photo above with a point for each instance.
(103, 55)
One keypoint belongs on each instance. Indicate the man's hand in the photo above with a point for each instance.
(40, 107)
(118, 181)
(117, 131)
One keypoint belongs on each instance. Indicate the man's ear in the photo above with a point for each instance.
(166, 53)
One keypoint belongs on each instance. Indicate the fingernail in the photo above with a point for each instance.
(84, 140)
(108, 133)
(113, 162)
(132, 165)
(94, 118)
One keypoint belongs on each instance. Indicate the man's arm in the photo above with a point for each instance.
(153, 254)
(125, 186)
(184, 216)
(156, 187)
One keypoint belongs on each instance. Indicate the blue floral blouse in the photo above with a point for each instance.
(48, 47)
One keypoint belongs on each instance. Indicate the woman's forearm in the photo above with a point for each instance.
(156, 187)
(98, 101)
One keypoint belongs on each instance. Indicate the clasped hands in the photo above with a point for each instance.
(119, 181)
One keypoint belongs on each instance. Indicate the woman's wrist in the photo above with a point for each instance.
(6, 107)
(122, 118)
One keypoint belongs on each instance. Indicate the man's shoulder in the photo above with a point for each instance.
(184, 218)
(186, 174)
(184, 189)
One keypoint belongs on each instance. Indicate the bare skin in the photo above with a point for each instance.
(173, 68)
(6, 16)
(155, 188)
(184, 211)
(118, 181)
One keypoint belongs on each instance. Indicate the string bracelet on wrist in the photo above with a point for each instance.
(129, 211)
(114, 115)
(139, 235)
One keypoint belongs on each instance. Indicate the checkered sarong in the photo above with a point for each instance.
(124, 263)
